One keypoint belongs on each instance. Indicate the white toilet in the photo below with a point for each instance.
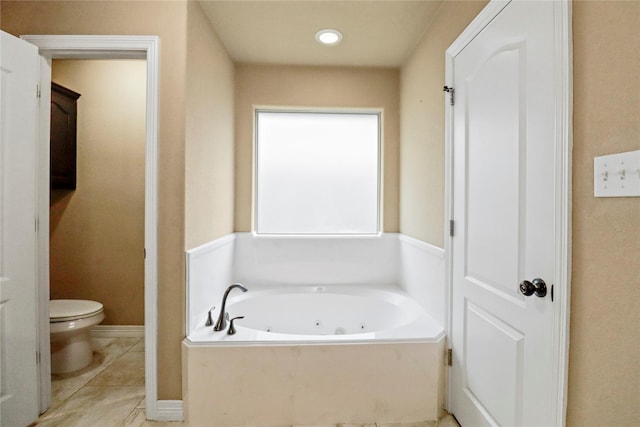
(70, 322)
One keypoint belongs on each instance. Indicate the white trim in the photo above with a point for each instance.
(43, 192)
(94, 47)
(170, 410)
(564, 162)
(483, 19)
(144, 47)
(564, 139)
(117, 331)
(448, 208)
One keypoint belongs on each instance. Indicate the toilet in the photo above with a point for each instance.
(70, 322)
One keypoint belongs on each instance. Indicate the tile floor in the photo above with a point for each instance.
(110, 392)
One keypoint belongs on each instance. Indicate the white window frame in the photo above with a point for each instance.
(319, 110)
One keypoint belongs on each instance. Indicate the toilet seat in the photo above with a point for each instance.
(64, 310)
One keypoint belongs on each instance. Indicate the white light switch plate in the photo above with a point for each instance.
(617, 175)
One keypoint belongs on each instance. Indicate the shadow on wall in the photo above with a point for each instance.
(58, 202)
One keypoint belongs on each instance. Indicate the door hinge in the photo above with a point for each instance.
(145, 253)
(37, 358)
(37, 224)
(451, 91)
(449, 357)
(38, 93)
(451, 226)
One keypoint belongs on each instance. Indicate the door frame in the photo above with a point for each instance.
(563, 81)
(108, 47)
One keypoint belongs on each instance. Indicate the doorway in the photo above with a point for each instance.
(106, 47)
(97, 220)
(97, 217)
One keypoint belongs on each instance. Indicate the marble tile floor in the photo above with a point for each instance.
(110, 392)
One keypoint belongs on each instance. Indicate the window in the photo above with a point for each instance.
(317, 173)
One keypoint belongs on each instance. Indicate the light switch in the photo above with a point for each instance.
(617, 175)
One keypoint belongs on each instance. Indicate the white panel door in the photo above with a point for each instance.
(19, 69)
(504, 210)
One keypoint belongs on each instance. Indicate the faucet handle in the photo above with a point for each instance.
(232, 329)
(209, 321)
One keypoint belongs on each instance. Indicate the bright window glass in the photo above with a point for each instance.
(317, 173)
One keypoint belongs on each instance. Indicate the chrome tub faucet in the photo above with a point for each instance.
(221, 324)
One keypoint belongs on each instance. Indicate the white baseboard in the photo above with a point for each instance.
(117, 331)
(169, 410)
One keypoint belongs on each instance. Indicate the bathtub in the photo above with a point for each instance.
(323, 314)
(314, 355)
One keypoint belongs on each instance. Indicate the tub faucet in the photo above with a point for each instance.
(221, 324)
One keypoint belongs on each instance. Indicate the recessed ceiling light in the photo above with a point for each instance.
(329, 37)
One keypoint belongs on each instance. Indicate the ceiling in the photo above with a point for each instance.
(376, 33)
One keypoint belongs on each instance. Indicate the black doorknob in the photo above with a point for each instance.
(526, 288)
(537, 287)
(540, 287)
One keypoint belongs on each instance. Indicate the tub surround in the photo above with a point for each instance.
(302, 378)
(269, 261)
(209, 270)
(421, 275)
(392, 259)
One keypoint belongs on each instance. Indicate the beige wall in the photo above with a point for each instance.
(604, 360)
(97, 230)
(298, 86)
(604, 365)
(209, 149)
(422, 125)
(168, 19)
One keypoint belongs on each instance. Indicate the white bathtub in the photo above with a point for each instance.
(316, 355)
(297, 314)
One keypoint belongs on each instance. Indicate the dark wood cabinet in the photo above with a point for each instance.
(63, 137)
